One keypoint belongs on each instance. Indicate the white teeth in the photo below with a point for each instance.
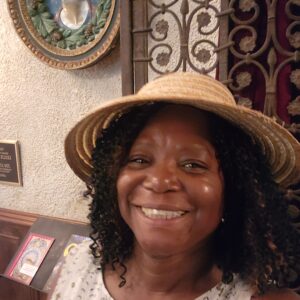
(161, 214)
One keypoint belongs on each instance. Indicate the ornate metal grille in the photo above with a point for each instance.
(264, 44)
(263, 68)
(181, 38)
(174, 35)
(247, 44)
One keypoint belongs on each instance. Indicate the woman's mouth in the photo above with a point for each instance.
(154, 213)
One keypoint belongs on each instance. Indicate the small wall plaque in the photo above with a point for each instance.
(10, 165)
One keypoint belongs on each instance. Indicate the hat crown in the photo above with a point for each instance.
(182, 84)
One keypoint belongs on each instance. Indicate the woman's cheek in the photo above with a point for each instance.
(126, 185)
(207, 190)
(122, 181)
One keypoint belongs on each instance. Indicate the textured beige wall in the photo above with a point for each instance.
(38, 105)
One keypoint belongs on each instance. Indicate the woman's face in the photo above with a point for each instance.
(170, 191)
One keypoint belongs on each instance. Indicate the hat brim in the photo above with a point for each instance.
(280, 147)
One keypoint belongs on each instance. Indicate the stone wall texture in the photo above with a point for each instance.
(38, 105)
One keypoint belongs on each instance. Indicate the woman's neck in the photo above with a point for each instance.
(159, 276)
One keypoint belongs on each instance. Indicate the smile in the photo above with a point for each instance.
(162, 214)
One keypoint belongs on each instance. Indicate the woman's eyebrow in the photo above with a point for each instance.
(142, 145)
(196, 147)
(142, 142)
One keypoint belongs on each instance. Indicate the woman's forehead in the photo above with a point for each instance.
(183, 116)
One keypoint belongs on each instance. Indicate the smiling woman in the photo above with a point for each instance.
(187, 197)
(170, 187)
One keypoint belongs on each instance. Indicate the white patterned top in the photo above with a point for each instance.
(80, 279)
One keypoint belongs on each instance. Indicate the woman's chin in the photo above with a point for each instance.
(158, 248)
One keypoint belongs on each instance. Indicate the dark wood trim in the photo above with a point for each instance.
(8, 236)
(223, 42)
(27, 219)
(140, 43)
(126, 47)
(17, 217)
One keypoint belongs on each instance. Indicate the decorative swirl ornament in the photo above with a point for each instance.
(267, 55)
(182, 36)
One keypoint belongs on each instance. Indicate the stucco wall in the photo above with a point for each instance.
(38, 105)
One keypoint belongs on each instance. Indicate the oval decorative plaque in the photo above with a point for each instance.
(67, 34)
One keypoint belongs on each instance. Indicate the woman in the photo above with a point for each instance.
(187, 197)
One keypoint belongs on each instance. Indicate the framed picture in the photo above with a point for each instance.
(67, 34)
(29, 258)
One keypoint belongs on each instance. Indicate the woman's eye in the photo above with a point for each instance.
(194, 166)
(137, 161)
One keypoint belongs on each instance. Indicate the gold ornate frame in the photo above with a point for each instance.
(78, 57)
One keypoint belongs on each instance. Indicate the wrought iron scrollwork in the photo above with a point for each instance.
(191, 24)
(267, 54)
(258, 47)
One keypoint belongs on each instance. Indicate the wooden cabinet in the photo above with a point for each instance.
(14, 226)
(11, 290)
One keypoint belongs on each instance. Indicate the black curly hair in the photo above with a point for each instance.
(256, 239)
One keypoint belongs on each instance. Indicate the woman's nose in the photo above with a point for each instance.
(161, 179)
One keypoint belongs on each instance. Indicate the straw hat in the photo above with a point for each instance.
(200, 91)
